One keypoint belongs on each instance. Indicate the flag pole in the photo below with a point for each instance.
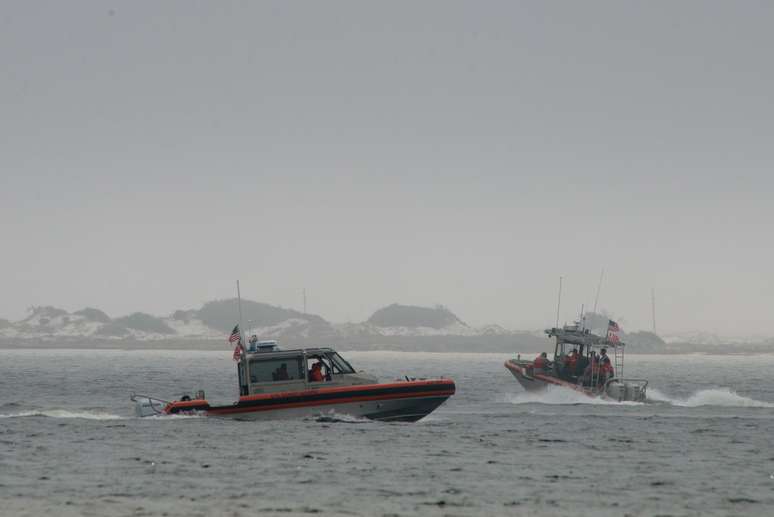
(239, 303)
(243, 359)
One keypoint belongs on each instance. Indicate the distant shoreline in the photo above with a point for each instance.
(433, 347)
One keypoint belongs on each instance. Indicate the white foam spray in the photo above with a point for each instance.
(62, 413)
(560, 396)
(709, 397)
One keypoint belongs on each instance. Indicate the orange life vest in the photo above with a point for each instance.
(316, 374)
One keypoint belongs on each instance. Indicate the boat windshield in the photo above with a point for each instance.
(339, 364)
(284, 369)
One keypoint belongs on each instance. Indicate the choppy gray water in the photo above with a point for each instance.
(69, 444)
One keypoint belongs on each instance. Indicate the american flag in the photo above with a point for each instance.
(235, 335)
(237, 352)
(612, 326)
(613, 337)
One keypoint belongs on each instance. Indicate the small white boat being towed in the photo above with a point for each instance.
(581, 368)
(276, 384)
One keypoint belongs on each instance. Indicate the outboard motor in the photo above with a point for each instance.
(146, 406)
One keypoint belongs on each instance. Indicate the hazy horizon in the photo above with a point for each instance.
(437, 153)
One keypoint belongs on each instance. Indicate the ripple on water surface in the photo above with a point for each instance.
(72, 445)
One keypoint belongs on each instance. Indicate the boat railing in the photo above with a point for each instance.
(619, 359)
(631, 380)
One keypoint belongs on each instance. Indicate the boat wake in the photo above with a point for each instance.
(561, 396)
(341, 419)
(725, 397)
(709, 397)
(63, 413)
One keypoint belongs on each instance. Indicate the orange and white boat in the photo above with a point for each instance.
(276, 384)
(576, 366)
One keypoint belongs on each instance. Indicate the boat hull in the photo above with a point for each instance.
(631, 390)
(402, 401)
(540, 381)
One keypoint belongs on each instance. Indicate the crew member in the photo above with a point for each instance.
(541, 361)
(571, 363)
(282, 373)
(583, 362)
(591, 372)
(605, 366)
(315, 374)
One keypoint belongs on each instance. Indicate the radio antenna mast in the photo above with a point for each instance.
(599, 288)
(559, 302)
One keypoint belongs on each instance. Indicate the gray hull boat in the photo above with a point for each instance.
(578, 366)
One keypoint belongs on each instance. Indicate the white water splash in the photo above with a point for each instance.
(333, 417)
(62, 413)
(709, 397)
(165, 416)
(561, 396)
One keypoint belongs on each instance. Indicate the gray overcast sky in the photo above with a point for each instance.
(463, 153)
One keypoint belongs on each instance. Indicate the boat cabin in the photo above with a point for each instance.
(572, 337)
(267, 369)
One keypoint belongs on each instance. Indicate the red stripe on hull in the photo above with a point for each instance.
(548, 379)
(322, 397)
(345, 389)
(227, 410)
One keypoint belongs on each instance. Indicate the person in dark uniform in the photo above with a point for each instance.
(583, 362)
(282, 373)
(605, 366)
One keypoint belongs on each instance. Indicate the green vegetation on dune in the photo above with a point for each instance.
(224, 314)
(137, 321)
(396, 315)
(45, 311)
(644, 341)
(93, 314)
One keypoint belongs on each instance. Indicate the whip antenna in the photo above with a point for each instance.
(559, 302)
(599, 288)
